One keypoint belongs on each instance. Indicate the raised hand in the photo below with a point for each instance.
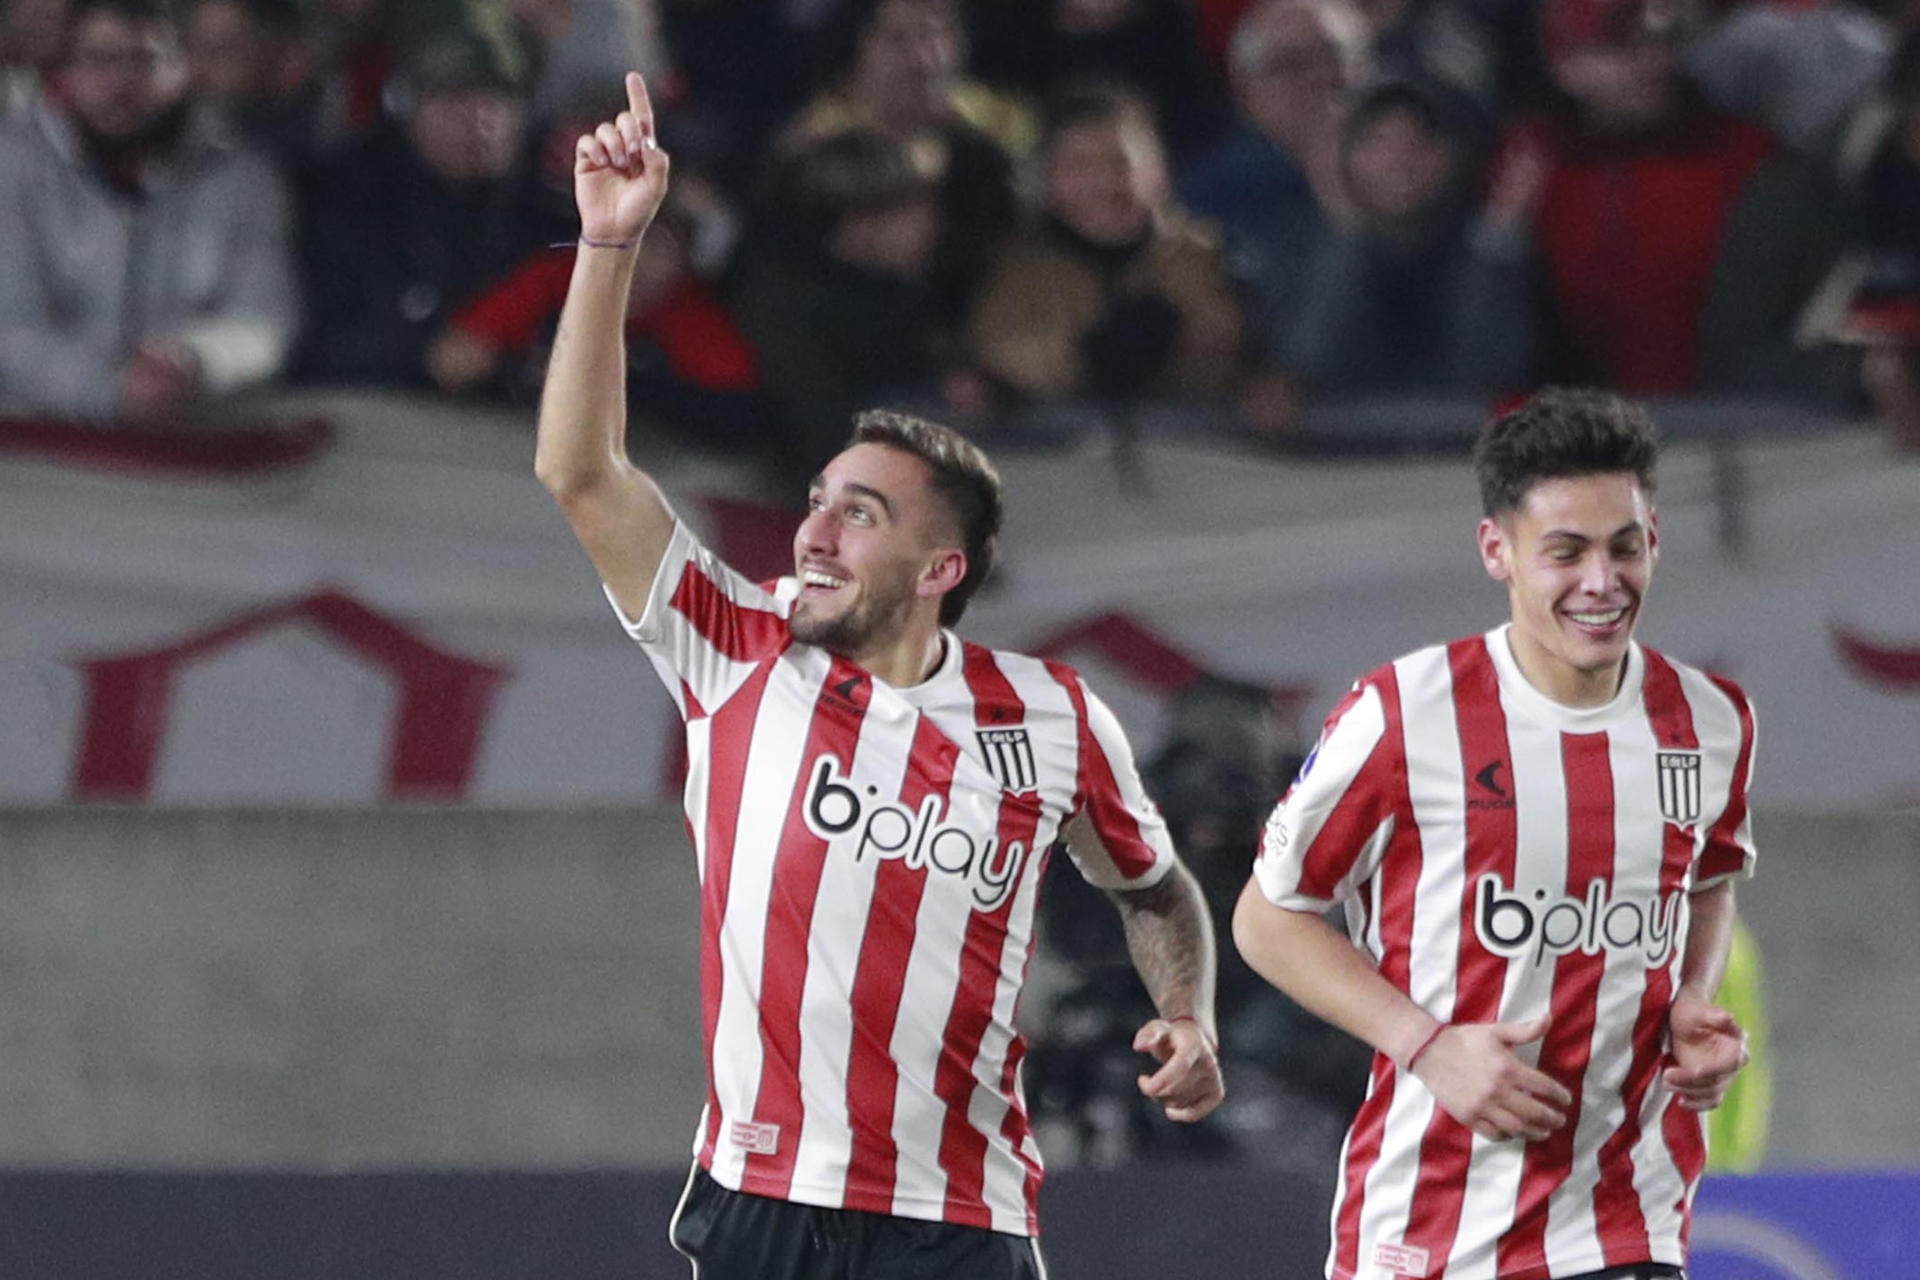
(1705, 1050)
(1475, 1075)
(1188, 1083)
(620, 172)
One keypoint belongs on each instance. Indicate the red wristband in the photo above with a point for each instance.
(1425, 1045)
(1204, 1034)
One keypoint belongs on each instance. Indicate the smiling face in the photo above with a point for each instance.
(1576, 555)
(874, 555)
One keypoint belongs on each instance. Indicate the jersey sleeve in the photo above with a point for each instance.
(705, 627)
(1130, 847)
(1727, 851)
(1326, 835)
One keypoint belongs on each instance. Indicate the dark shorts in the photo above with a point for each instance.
(1636, 1271)
(732, 1236)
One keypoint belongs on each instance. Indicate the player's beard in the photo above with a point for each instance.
(868, 624)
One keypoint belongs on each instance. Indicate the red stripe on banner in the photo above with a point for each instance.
(731, 742)
(739, 633)
(1894, 669)
(1491, 840)
(177, 451)
(873, 1076)
(1568, 1047)
(1098, 791)
(1399, 877)
(1619, 1219)
(1723, 854)
(798, 866)
(963, 1147)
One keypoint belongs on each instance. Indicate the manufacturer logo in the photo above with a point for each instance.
(1680, 787)
(835, 809)
(1008, 754)
(1537, 926)
(1492, 793)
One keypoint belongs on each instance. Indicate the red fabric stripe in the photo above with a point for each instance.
(1099, 791)
(1619, 1219)
(1568, 1047)
(1491, 840)
(798, 864)
(739, 633)
(731, 739)
(963, 1148)
(872, 1075)
(1723, 854)
(1399, 875)
(1357, 814)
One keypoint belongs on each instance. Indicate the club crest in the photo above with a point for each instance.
(1680, 787)
(1008, 755)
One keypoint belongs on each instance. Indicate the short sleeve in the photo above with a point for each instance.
(1727, 851)
(1132, 849)
(704, 626)
(1326, 835)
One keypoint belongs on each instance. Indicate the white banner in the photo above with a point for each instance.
(391, 608)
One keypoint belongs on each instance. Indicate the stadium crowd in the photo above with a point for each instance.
(982, 207)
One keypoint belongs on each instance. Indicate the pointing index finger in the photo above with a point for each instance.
(638, 102)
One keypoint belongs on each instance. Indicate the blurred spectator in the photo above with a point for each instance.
(580, 43)
(401, 228)
(899, 66)
(1114, 293)
(735, 80)
(248, 58)
(1793, 68)
(1147, 45)
(30, 37)
(1273, 185)
(1638, 178)
(352, 52)
(1417, 294)
(689, 368)
(1443, 42)
(833, 292)
(144, 261)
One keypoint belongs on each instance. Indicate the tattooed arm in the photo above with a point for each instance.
(1170, 938)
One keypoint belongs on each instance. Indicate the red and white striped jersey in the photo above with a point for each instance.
(869, 860)
(1502, 857)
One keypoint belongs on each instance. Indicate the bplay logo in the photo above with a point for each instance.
(1536, 925)
(883, 829)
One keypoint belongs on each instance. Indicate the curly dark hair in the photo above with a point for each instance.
(1562, 431)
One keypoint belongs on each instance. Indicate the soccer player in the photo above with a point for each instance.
(1535, 835)
(871, 801)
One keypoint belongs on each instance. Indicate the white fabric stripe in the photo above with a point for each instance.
(1299, 817)
(1433, 780)
(839, 922)
(773, 768)
(697, 796)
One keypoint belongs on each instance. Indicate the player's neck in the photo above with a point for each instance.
(1559, 680)
(906, 659)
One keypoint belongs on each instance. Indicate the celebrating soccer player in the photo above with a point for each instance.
(1535, 835)
(871, 802)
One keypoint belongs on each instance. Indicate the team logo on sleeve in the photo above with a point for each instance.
(1008, 755)
(1680, 787)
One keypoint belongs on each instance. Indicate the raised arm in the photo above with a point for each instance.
(616, 510)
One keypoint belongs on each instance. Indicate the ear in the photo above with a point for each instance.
(1496, 547)
(947, 570)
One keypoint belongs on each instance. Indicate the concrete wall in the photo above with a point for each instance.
(468, 989)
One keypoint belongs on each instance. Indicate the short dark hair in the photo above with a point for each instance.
(140, 12)
(1094, 101)
(962, 477)
(1562, 432)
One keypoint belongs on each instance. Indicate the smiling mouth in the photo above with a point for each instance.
(822, 580)
(1598, 619)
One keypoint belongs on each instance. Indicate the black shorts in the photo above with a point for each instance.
(732, 1236)
(1636, 1271)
